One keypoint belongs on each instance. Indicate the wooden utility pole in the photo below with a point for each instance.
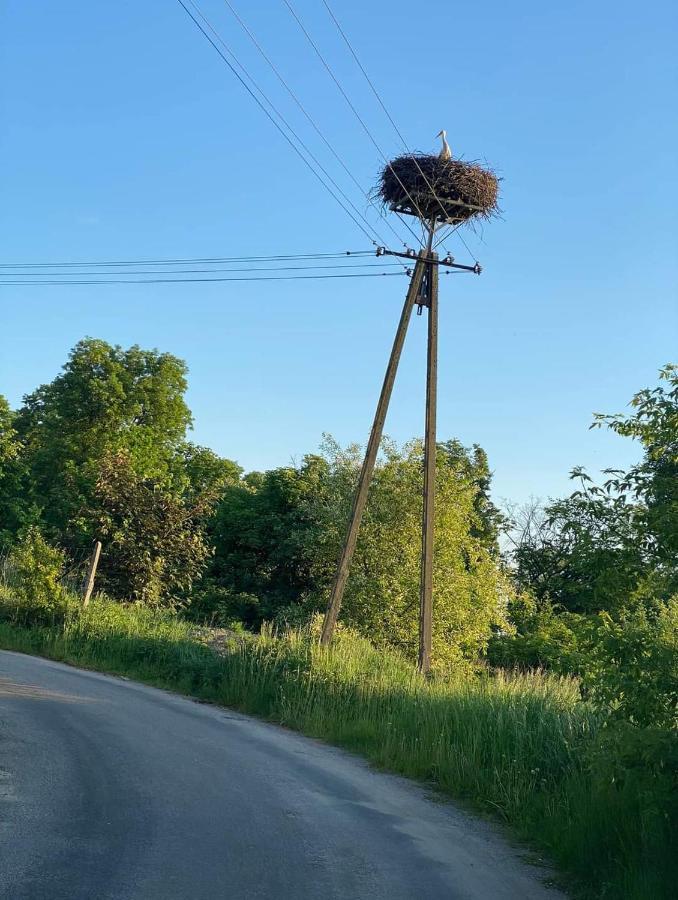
(428, 519)
(88, 584)
(367, 470)
(423, 292)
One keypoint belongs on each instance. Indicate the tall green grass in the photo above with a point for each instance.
(521, 747)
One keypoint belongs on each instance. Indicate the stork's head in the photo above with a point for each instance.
(442, 134)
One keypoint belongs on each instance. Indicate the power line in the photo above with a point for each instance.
(308, 116)
(381, 103)
(206, 280)
(355, 112)
(365, 230)
(189, 260)
(456, 231)
(261, 105)
(395, 126)
(48, 274)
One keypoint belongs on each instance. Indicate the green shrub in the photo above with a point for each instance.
(543, 638)
(631, 667)
(213, 604)
(32, 593)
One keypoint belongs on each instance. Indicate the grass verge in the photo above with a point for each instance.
(521, 747)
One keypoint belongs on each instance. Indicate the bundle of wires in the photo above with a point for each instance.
(280, 267)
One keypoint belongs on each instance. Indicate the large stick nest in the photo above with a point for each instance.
(445, 190)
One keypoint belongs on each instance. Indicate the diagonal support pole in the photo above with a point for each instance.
(367, 470)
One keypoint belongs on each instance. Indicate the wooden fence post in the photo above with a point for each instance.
(88, 585)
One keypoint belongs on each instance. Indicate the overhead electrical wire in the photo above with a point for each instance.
(189, 260)
(383, 105)
(62, 274)
(393, 123)
(355, 111)
(308, 116)
(8, 277)
(55, 283)
(366, 228)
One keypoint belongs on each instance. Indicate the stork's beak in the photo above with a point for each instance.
(440, 134)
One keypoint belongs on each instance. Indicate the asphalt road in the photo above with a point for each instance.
(110, 790)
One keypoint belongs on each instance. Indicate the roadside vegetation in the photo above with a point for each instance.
(553, 703)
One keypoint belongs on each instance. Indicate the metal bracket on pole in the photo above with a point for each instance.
(447, 261)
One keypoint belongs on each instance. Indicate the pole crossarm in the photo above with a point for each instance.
(447, 261)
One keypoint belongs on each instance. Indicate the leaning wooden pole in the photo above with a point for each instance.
(88, 584)
(334, 604)
(428, 519)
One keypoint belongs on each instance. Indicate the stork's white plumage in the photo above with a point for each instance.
(445, 153)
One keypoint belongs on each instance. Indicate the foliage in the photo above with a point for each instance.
(106, 399)
(654, 481)
(17, 512)
(55, 465)
(542, 637)
(382, 594)
(31, 577)
(155, 541)
(631, 667)
(8, 442)
(277, 537)
(580, 552)
(260, 530)
(198, 470)
(628, 665)
(607, 545)
(488, 522)
(36, 568)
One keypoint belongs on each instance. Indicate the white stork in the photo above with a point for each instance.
(445, 153)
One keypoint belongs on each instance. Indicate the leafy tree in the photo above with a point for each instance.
(582, 553)
(488, 522)
(608, 545)
(541, 637)
(16, 510)
(382, 594)
(114, 419)
(631, 666)
(8, 453)
(277, 537)
(155, 546)
(653, 483)
(8, 442)
(106, 399)
(197, 470)
(260, 532)
(31, 581)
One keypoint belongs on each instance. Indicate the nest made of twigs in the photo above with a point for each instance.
(445, 190)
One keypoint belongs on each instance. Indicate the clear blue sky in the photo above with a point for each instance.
(123, 135)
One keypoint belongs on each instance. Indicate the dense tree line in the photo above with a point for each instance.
(596, 573)
(103, 452)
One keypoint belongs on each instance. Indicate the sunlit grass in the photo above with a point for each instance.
(513, 745)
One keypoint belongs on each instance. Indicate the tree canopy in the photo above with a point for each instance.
(102, 452)
(606, 545)
(113, 420)
(277, 537)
